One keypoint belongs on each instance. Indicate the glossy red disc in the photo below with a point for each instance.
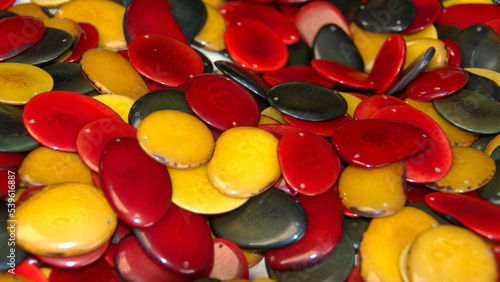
(5, 4)
(137, 187)
(221, 102)
(75, 261)
(308, 162)
(476, 214)
(426, 12)
(99, 271)
(342, 74)
(437, 83)
(10, 160)
(295, 73)
(255, 45)
(96, 135)
(89, 38)
(229, 261)
(322, 128)
(454, 53)
(55, 118)
(464, 15)
(389, 62)
(164, 59)
(181, 241)
(372, 104)
(495, 24)
(324, 229)
(134, 264)
(434, 162)
(376, 142)
(416, 192)
(19, 34)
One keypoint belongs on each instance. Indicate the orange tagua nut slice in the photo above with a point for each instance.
(176, 139)
(373, 192)
(20, 82)
(245, 162)
(78, 221)
(106, 16)
(450, 252)
(111, 73)
(385, 239)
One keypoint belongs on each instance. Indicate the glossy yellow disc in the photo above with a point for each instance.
(245, 162)
(64, 219)
(49, 3)
(44, 166)
(449, 3)
(373, 192)
(121, 104)
(456, 135)
(192, 191)
(21, 82)
(215, 3)
(111, 73)
(267, 120)
(470, 169)
(493, 75)
(65, 24)
(176, 139)
(271, 112)
(450, 253)
(492, 145)
(253, 257)
(416, 47)
(29, 9)
(106, 16)
(385, 239)
(352, 102)
(211, 36)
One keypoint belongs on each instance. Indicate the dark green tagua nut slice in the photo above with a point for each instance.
(470, 111)
(307, 101)
(13, 135)
(68, 77)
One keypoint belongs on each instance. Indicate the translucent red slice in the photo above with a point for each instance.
(342, 74)
(137, 187)
(229, 261)
(267, 14)
(255, 45)
(164, 59)
(376, 142)
(389, 62)
(75, 261)
(322, 128)
(89, 38)
(434, 162)
(308, 162)
(426, 12)
(19, 33)
(295, 73)
(221, 102)
(464, 15)
(55, 118)
(324, 229)
(476, 214)
(437, 83)
(372, 104)
(96, 135)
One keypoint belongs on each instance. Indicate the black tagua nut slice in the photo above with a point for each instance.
(386, 15)
(68, 77)
(483, 85)
(307, 101)
(480, 47)
(243, 76)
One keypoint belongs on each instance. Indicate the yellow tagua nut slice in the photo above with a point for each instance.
(470, 170)
(64, 219)
(245, 162)
(176, 139)
(211, 36)
(416, 47)
(352, 102)
(373, 192)
(50, 3)
(44, 166)
(192, 191)
(21, 82)
(121, 104)
(111, 73)
(29, 9)
(492, 145)
(65, 24)
(106, 16)
(491, 74)
(456, 135)
(274, 114)
(385, 239)
(450, 253)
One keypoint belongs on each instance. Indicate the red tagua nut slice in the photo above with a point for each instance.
(375, 142)
(344, 75)
(372, 104)
(19, 33)
(437, 83)
(322, 128)
(435, 161)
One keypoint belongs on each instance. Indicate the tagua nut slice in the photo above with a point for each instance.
(343, 74)
(77, 261)
(111, 73)
(376, 142)
(470, 170)
(245, 162)
(211, 36)
(21, 82)
(176, 139)
(384, 241)
(450, 252)
(106, 16)
(372, 104)
(373, 192)
(21, 32)
(78, 221)
(437, 83)
(119, 103)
